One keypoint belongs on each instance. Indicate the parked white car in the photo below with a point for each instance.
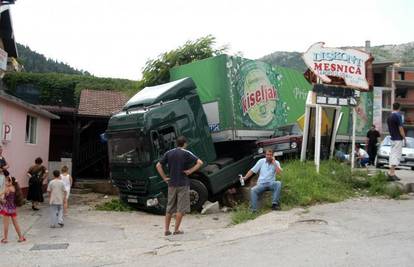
(407, 153)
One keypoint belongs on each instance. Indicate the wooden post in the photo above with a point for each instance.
(305, 134)
(318, 123)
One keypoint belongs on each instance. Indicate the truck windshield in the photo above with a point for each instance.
(129, 147)
(292, 129)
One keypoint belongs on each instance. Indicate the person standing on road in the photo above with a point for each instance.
(267, 169)
(11, 198)
(57, 199)
(67, 180)
(181, 164)
(37, 174)
(372, 141)
(395, 127)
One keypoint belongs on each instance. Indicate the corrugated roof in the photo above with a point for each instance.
(26, 105)
(101, 103)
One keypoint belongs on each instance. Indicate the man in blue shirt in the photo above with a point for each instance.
(395, 127)
(267, 169)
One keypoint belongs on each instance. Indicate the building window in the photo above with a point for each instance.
(31, 129)
(386, 99)
(401, 75)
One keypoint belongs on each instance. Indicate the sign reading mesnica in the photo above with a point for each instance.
(347, 64)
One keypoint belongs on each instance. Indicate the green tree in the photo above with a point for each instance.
(157, 71)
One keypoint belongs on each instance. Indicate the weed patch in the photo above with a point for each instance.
(302, 186)
(114, 205)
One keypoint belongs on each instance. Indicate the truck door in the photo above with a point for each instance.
(163, 140)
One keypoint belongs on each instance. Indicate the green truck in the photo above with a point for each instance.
(223, 109)
(226, 105)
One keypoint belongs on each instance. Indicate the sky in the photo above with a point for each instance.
(116, 38)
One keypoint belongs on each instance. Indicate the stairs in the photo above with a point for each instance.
(79, 191)
(98, 186)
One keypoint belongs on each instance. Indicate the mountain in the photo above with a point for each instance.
(402, 53)
(35, 62)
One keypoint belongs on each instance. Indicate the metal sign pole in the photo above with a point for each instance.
(353, 138)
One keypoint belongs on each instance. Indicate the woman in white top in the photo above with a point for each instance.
(67, 180)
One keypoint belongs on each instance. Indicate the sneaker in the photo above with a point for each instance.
(276, 207)
(61, 224)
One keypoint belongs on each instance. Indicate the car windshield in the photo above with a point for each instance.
(129, 147)
(408, 144)
(292, 129)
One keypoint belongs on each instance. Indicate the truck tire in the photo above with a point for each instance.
(198, 195)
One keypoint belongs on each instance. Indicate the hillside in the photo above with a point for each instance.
(402, 53)
(35, 62)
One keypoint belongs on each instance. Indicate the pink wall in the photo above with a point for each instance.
(20, 155)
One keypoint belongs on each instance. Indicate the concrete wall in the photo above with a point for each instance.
(57, 165)
(19, 154)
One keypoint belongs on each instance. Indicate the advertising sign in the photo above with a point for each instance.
(7, 132)
(347, 64)
(256, 86)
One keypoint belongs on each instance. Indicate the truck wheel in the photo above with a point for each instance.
(198, 194)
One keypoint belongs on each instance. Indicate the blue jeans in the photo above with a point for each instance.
(256, 191)
(363, 162)
(56, 214)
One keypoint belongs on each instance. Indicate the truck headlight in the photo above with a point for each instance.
(293, 145)
(384, 152)
(260, 150)
(152, 202)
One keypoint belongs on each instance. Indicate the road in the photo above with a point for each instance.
(357, 232)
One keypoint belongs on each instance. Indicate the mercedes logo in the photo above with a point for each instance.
(128, 185)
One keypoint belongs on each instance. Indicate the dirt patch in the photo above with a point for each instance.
(90, 199)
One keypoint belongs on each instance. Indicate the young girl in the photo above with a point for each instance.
(67, 180)
(11, 197)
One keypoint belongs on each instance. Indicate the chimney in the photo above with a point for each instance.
(367, 45)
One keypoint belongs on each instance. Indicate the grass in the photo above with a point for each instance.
(114, 205)
(303, 187)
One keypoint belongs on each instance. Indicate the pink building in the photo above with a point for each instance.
(24, 136)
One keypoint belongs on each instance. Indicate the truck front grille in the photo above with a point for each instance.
(131, 186)
(282, 146)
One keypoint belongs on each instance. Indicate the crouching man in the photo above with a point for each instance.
(267, 169)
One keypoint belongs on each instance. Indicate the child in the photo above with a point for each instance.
(57, 198)
(67, 180)
(11, 198)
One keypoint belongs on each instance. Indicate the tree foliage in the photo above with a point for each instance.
(35, 62)
(49, 82)
(61, 89)
(157, 71)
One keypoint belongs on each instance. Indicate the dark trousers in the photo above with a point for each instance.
(372, 152)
